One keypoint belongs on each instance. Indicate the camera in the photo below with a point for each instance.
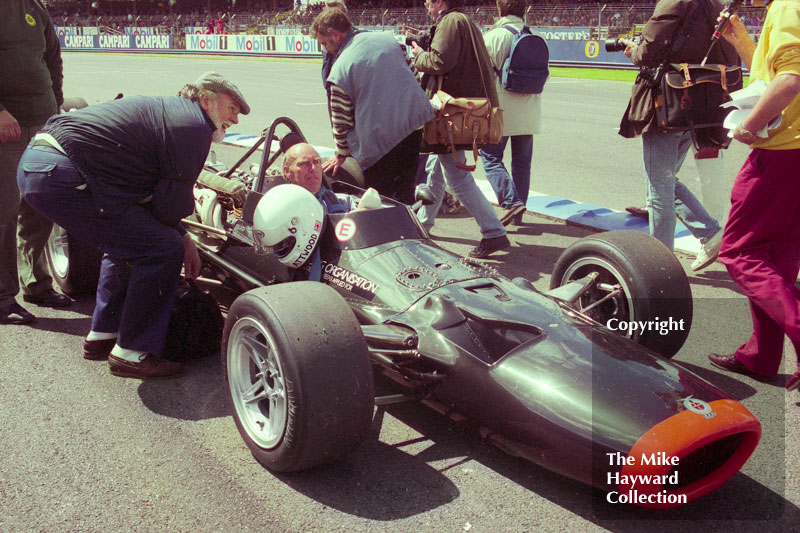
(615, 45)
(422, 39)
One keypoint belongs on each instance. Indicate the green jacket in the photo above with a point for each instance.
(451, 55)
(30, 62)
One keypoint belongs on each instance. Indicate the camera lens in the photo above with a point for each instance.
(615, 45)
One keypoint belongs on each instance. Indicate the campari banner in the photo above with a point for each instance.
(115, 42)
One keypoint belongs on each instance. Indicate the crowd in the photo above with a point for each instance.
(256, 15)
(126, 194)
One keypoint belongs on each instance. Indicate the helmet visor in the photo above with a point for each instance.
(285, 246)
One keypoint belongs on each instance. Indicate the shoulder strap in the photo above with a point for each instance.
(475, 50)
(512, 30)
(683, 31)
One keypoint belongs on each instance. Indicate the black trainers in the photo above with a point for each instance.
(15, 314)
(489, 246)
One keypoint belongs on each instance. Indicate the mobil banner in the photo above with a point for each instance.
(275, 45)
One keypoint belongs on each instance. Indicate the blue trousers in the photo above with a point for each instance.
(142, 257)
(510, 190)
(667, 197)
(442, 169)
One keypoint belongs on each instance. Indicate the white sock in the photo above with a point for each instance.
(134, 356)
(100, 336)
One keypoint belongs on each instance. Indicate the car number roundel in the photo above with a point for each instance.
(345, 229)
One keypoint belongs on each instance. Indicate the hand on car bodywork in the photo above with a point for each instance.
(9, 127)
(191, 259)
(332, 164)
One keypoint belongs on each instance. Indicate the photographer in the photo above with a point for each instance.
(693, 22)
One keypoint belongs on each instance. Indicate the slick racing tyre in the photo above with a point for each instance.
(639, 280)
(298, 375)
(75, 266)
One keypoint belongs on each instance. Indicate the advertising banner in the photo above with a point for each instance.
(294, 45)
(133, 30)
(115, 42)
(77, 30)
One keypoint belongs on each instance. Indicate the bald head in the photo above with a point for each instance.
(303, 166)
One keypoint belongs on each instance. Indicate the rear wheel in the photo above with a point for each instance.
(638, 280)
(75, 266)
(298, 373)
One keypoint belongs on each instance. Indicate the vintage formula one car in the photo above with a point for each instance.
(542, 375)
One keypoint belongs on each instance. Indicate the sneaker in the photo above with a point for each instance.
(708, 253)
(489, 246)
(509, 214)
(15, 314)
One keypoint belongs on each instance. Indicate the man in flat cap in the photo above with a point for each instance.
(119, 176)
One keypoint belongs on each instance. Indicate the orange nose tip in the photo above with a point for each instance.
(709, 442)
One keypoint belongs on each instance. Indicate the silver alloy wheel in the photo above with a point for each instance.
(58, 250)
(257, 382)
(609, 286)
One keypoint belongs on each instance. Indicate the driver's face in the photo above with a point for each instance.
(306, 168)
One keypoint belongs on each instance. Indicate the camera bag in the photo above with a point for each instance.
(690, 99)
(464, 123)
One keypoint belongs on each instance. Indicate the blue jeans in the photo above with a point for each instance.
(667, 197)
(442, 168)
(143, 257)
(510, 190)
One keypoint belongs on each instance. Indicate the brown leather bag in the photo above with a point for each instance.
(464, 123)
(690, 99)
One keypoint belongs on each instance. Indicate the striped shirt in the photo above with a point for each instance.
(343, 118)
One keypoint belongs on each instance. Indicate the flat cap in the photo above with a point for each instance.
(217, 83)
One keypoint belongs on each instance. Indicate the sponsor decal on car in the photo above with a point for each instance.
(345, 229)
(699, 406)
(349, 281)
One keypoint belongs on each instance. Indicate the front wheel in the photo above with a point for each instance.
(298, 373)
(638, 280)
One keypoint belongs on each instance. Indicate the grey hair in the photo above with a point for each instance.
(193, 93)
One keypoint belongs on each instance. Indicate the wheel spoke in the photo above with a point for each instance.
(255, 392)
(258, 352)
(277, 392)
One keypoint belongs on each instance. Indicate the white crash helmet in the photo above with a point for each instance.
(288, 219)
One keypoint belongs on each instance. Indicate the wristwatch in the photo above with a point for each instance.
(746, 134)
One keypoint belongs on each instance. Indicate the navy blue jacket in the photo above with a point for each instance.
(125, 148)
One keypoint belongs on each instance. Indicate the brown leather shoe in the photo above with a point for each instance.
(638, 211)
(151, 367)
(98, 350)
(729, 362)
